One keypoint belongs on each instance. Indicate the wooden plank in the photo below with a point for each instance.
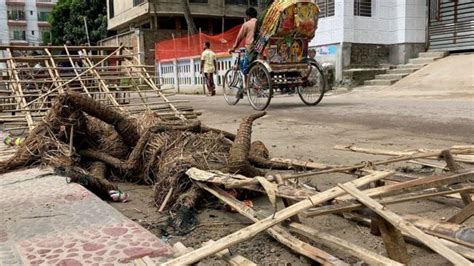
(236, 260)
(277, 232)
(393, 241)
(353, 167)
(303, 164)
(453, 166)
(71, 80)
(326, 239)
(286, 202)
(84, 87)
(104, 86)
(18, 90)
(403, 225)
(147, 78)
(252, 230)
(41, 47)
(216, 177)
(353, 148)
(352, 206)
(457, 233)
(460, 217)
(418, 184)
(464, 251)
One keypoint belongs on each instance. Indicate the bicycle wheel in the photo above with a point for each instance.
(259, 87)
(233, 82)
(312, 92)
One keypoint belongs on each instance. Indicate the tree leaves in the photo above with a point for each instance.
(67, 21)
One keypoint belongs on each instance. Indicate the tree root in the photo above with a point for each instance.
(125, 126)
(239, 152)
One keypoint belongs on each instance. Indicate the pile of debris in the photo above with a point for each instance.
(96, 115)
(95, 144)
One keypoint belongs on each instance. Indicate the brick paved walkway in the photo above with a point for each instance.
(45, 220)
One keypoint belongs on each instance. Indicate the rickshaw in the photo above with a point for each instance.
(280, 61)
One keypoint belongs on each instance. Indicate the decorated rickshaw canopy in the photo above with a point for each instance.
(283, 18)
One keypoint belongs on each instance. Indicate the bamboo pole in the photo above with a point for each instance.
(152, 84)
(404, 225)
(268, 222)
(17, 88)
(354, 148)
(75, 71)
(105, 88)
(418, 184)
(352, 206)
(73, 79)
(277, 231)
(353, 167)
(368, 256)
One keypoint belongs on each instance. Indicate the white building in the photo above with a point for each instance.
(363, 36)
(25, 21)
(367, 33)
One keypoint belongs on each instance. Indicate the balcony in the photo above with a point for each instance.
(45, 3)
(19, 23)
(16, 17)
(43, 24)
(15, 2)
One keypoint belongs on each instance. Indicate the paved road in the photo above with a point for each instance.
(366, 119)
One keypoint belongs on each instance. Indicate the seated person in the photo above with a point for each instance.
(246, 34)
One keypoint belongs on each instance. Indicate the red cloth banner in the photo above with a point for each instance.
(192, 45)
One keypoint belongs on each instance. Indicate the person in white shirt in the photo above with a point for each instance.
(209, 68)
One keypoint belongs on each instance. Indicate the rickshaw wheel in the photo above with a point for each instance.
(259, 87)
(313, 91)
(233, 82)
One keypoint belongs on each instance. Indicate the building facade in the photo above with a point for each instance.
(370, 33)
(142, 23)
(367, 33)
(25, 22)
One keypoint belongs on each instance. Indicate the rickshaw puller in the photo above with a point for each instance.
(246, 34)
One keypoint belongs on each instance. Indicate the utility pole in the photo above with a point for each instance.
(87, 31)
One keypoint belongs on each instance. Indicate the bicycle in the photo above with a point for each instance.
(234, 86)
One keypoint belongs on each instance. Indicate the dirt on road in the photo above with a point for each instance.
(292, 130)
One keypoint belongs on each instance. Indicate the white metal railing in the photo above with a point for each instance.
(185, 72)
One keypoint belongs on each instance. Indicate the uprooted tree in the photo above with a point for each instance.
(92, 143)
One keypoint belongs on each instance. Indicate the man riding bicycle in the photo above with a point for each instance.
(246, 34)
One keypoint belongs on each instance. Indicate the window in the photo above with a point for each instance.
(43, 15)
(111, 9)
(326, 8)
(16, 14)
(33, 32)
(137, 2)
(19, 35)
(363, 8)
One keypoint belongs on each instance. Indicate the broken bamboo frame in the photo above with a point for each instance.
(353, 148)
(349, 168)
(277, 232)
(424, 194)
(73, 79)
(402, 224)
(266, 223)
(329, 240)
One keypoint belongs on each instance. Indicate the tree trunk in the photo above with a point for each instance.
(189, 19)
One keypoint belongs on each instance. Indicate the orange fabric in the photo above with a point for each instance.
(193, 45)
